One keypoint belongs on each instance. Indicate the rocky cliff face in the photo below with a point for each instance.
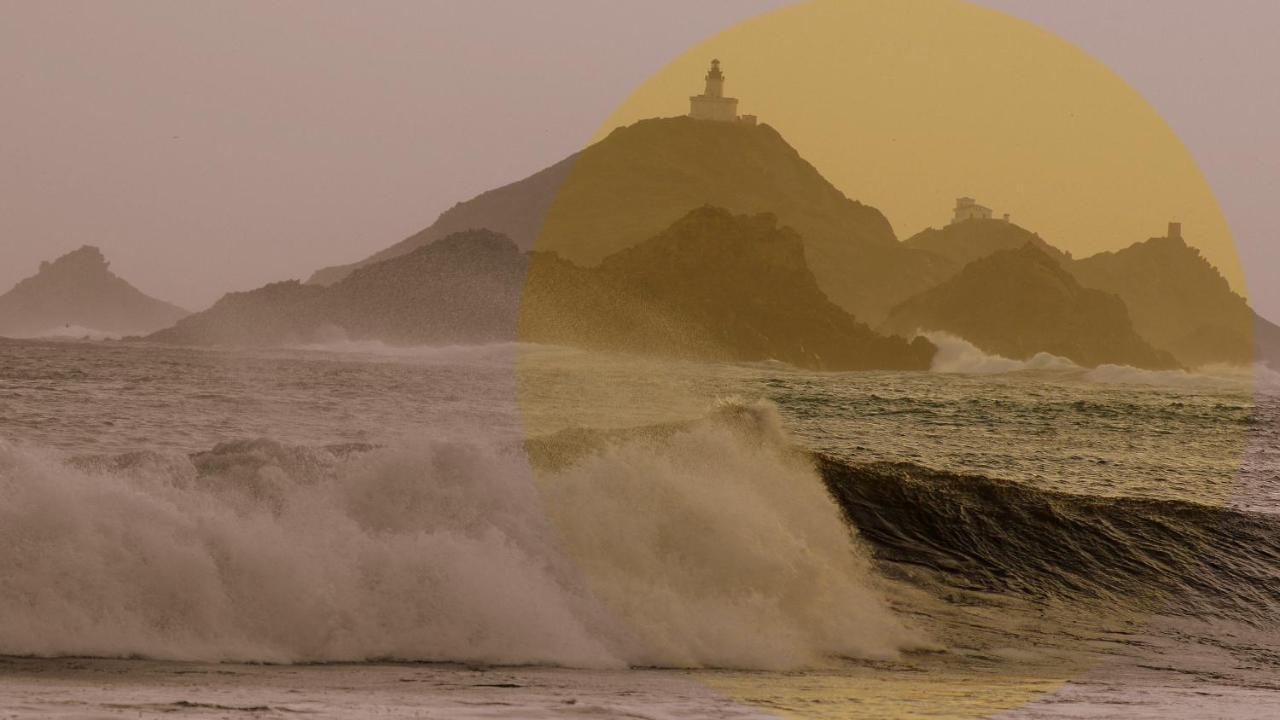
(1017, 303)
(79, 290)
(640, 179)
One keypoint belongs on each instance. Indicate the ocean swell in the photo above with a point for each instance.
(979, 533)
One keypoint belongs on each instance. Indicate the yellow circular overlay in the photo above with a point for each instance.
(905, 106)
(908, 104)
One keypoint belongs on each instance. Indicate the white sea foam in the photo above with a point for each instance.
(432, 553)
(714, 546)
(957, 355)
(1217, 376)
(721, 547)
(428, 353)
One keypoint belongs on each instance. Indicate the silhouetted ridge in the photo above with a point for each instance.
(515, 210)
(1178, 301)
(712, 286)
(643, 177)
(462, 289)
(268, 315)
(1017, 303)
(79, 290)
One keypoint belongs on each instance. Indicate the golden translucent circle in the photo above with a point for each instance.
(906, 105)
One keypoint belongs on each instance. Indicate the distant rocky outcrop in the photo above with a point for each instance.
(516, 210)
(273, 314)
(1178, 301)
(79, 291)
(712, 286)
(464, 288)
(641, 178)
(581, 215)
(1017, 303)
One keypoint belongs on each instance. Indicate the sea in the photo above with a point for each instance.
(521, 531)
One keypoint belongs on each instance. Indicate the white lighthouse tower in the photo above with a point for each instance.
(712, 104)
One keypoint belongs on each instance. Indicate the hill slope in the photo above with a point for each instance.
(641, 178)
(79, 290)
(516, 210)
(1266, 337)
(1017, 303)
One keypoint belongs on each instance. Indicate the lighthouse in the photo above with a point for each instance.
(712, 104)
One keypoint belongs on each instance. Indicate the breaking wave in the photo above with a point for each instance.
(1260, 377)
(711, 545)
(959, 356)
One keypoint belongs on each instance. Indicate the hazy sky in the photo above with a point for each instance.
(217, 146)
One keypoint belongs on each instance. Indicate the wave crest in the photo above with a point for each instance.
(712, 545)
(720, 545)
(434, 553)
(957, 355)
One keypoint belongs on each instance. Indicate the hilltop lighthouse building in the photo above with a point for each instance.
(712, 104)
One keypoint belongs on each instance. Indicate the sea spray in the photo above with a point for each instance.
(719, 546)
(957, 355)
(714, 546)
(431, 553)
(1261, 378)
